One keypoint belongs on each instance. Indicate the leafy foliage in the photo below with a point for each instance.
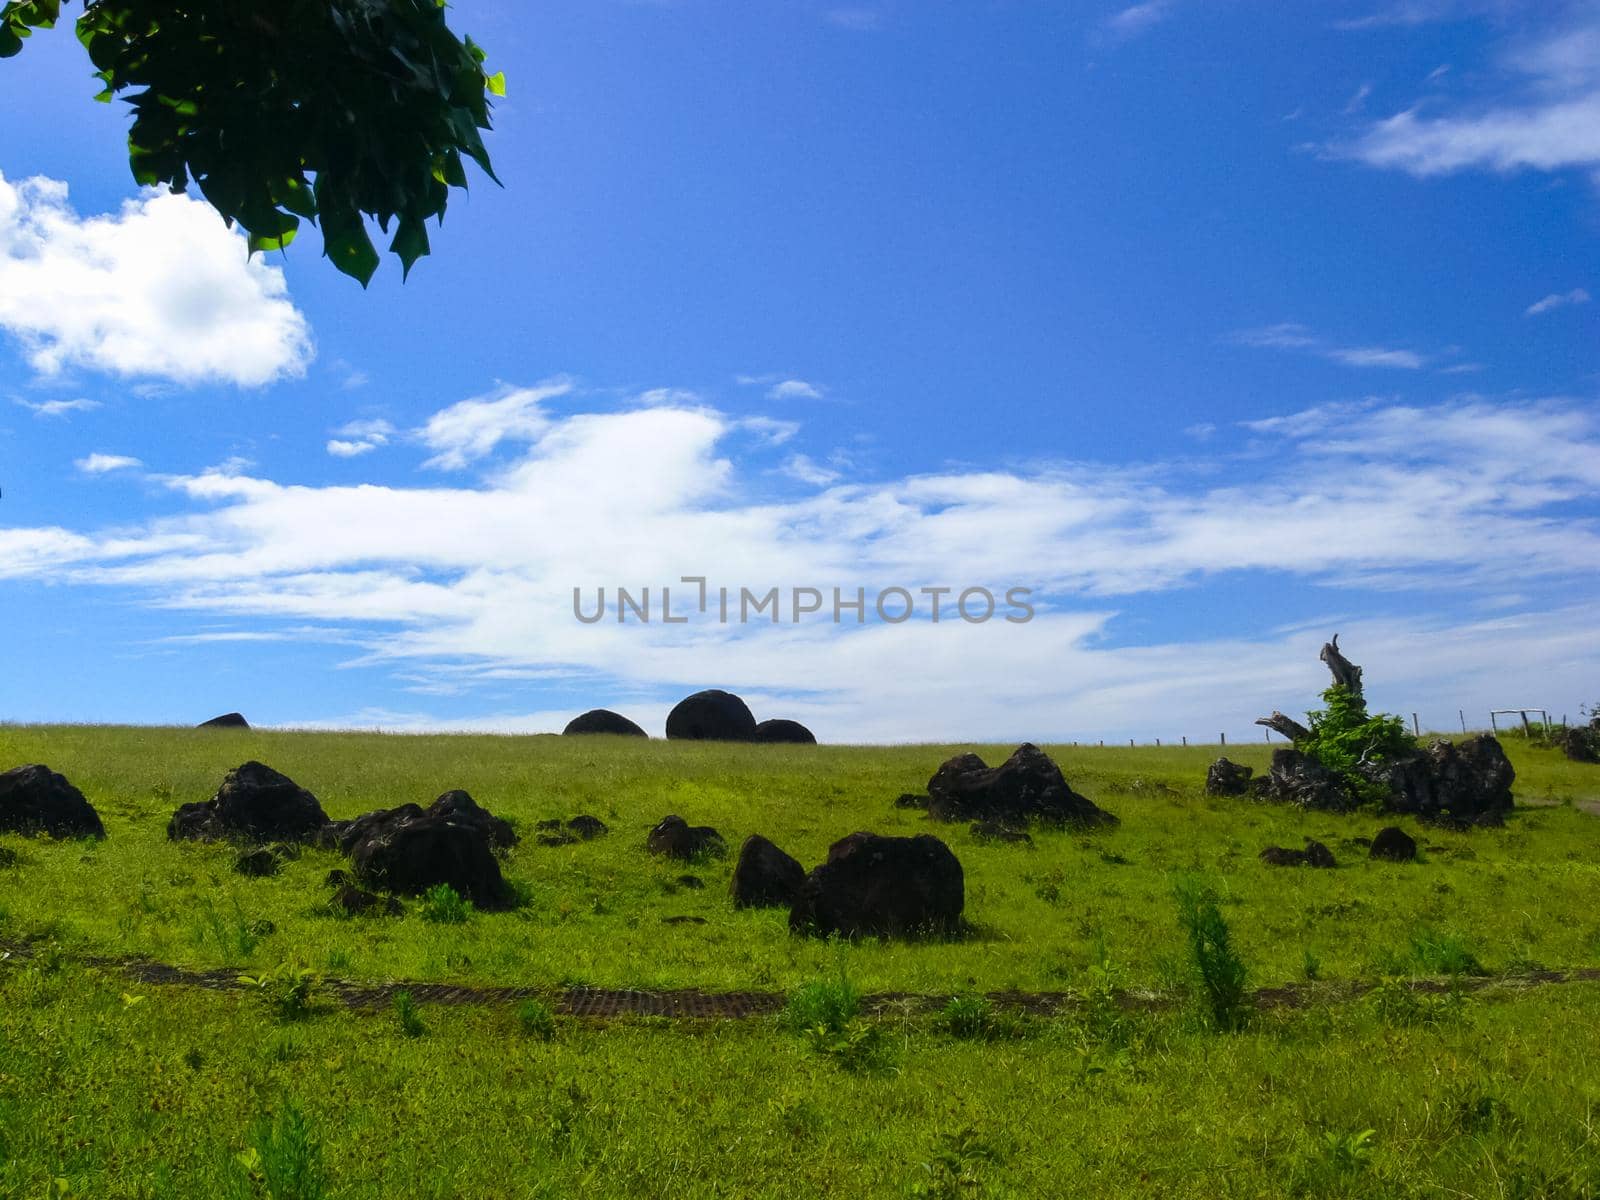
(1219, 970)
(284, 1158)
(1344, 736)
(536, 1020)
(324, 110)
(409, 1015)
(288, 990)
(443, 905)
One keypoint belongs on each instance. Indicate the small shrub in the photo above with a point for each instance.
(288, 990)
(284, 1157)
(1311, 964)
(829, 1003)
(443, 905)
(967, 1017)
(409, 1015)
(1437, 953)
(536, 1020)
(1347, 1152)
(858, 1045)
(957, 1167)
(1218, 969)
(1396, 1002)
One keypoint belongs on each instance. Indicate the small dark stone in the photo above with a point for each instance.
(714, 716)
(34, 800)
(254, 804)
(1227, 778)
(256, 863)
(765, 877)
(287, 851)
(588, 828)
(676, 838)
(1394, 845)
(354, 901)
(8, 857)
(1026, 787)
(998, 831)
(691, 881)
(683, 920)
(225, 721)
(337, 878)
(556, 839)
(883, 886)
(603, 720)
(912, 800)
(262, 927)
(781, 730)
(1314, 855)
(548, 824)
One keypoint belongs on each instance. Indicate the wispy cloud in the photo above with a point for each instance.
(794, 389)
(101, 464)
(1289, 335)
(59, 408)
(1557, 300)
(806, 470)
(360, 437)
(465, 432)
(162, 290)
(857, 18)
(1138, 19)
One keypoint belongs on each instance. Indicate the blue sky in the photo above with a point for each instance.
(1220, 326)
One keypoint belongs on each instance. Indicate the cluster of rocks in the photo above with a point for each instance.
(407, 849)
(1390, 844)
(582, 828)
(1581, 743)
(1002, 802)
(35, 800)
(1460, 784)
(708, 716)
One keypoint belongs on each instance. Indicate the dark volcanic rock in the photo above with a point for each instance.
(254, 804)
(225, 721)
(765, 877)
(1393, 844)
(1464, 783)
(256, 863)
(456, 807)
(352, 901)
(413, 855)
(1314, 855)
(34, 799)
(676, 838)
(588, 828)
(1581, 744)
(1226, 778)
(912, 800)
(885, 886)
(1297, 778)
(713, 716)
(781, 730)
(1026, 787)
(997, 831)
(337, 878)
(691, 881)
(603, 720)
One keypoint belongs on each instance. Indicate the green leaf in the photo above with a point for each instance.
(495, 84)
(352, 252)
(276, 241)
(10, 43)
(410, 243)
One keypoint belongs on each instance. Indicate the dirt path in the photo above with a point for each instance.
(693, 1004)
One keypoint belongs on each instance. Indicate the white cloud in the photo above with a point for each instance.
(801, 467)
(59, 408)
(360, 437)
(162, 289)
(460, 585)
(1544, 116)
(101, 464)
(1289, 335)
(1557, 300)
(794, 389)
(1137, 19)
(466, 432)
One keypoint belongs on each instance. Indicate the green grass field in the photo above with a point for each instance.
(108, 1088)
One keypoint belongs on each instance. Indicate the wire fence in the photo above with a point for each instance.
(1501, 721)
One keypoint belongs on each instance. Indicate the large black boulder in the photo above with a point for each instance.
(1297, 778)
(225, 721)
(254, 804)
(603, 720)
(882, 886)
(673, 837)
(1462, 783)
(765, 877)
(1227, 778)
(34, 800)
(417, 853)
(1026, 787)
(1581, 744)
(782, 730)
(711, 716)
(457, 807)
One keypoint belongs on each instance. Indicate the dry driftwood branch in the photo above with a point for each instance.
(1345, 673)
(1288, 726)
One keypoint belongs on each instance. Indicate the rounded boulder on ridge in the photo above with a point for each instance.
(782, 730)
(602, 720)
(882, 886)
(711, 716)
(231, 720)
(254, 804)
